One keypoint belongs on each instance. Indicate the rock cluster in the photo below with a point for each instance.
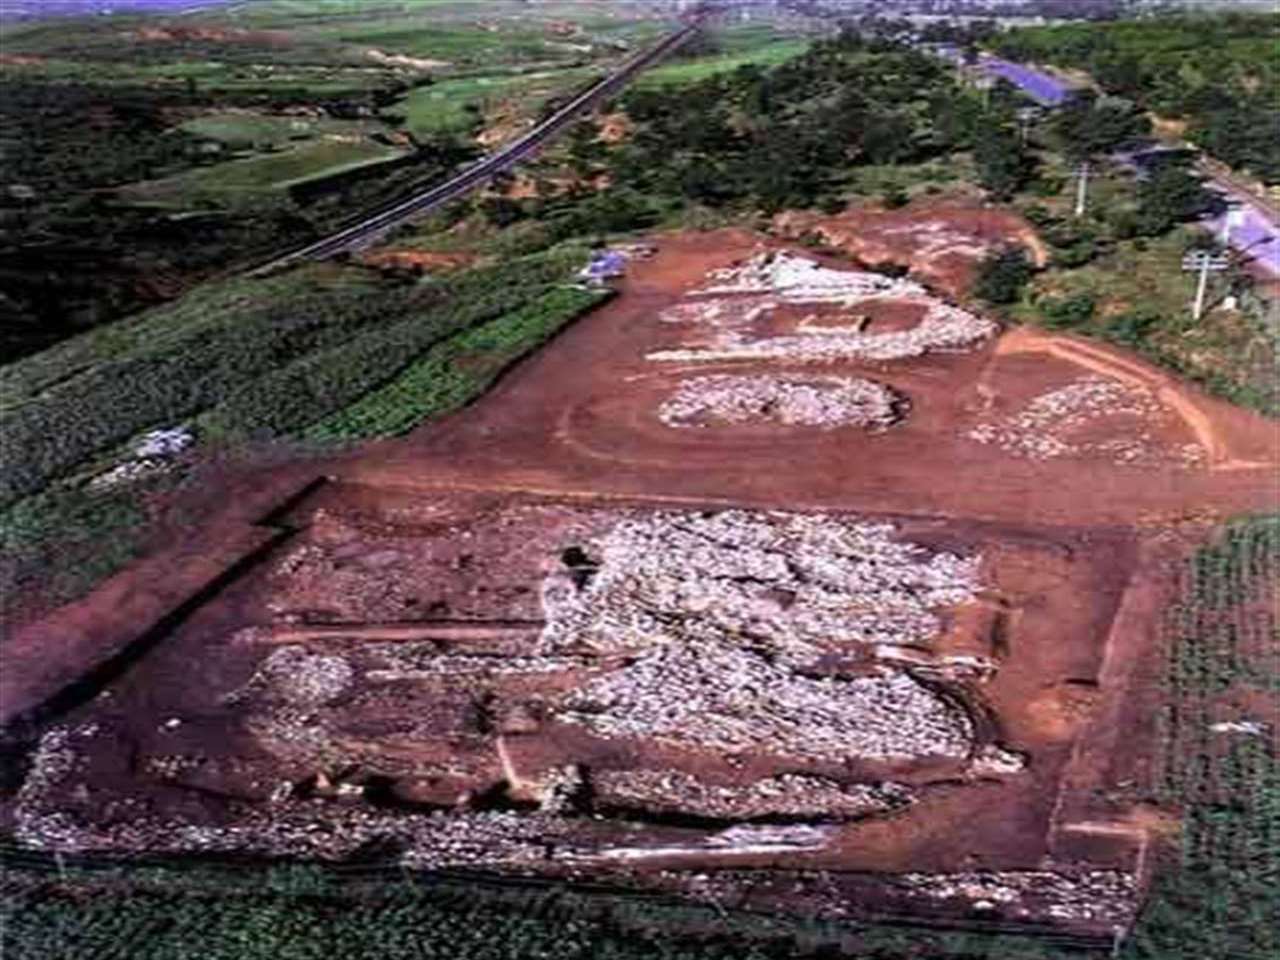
(776, 278)
(1044, 428)
(295, 676)
(719, 611)
(152, 453)
(1090, 895)
(790, 795)
(724, 697)
(801, 280)
(943, 327)
(824, 402)
(797, 584)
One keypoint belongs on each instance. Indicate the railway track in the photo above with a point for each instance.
(376, 226)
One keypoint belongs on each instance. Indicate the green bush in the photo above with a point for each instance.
(1066, 312)
(1132, 327)
(1003, 275)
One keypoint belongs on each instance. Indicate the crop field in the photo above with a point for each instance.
(458, 105)
(248, 129)
(246, 359)
(456, 370)
(1220, 764)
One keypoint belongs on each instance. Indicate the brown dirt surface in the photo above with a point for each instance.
(382, 667)
(614, 127)
(430, 261)
(940, 241)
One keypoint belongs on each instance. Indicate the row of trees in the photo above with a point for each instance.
(1220, 73)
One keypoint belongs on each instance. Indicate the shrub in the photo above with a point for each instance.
(1067, 312)
(1003, 275)
(1132, 327)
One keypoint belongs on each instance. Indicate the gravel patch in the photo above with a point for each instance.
(791, 795)
(1043, 429)
(734, 700)
(776, 278)
(822, 402)
(1091, 895)
(797, 585)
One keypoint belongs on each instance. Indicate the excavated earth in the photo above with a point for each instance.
(773, 584)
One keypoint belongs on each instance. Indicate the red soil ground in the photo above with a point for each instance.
(940, 241)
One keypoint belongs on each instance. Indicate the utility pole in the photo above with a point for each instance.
(1202, 262)
(1197, 311)
(1026, 117)
(1082, 188)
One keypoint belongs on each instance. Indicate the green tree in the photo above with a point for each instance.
(1090, 126)
(1171, 195)
(1003, 275)
(1003, 166)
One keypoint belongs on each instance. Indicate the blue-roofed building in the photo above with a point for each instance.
(604, 265)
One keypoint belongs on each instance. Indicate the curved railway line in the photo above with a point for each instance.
(376, 226)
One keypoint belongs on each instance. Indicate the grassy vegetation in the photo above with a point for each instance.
(248, 359)
(689, 71)
(251, 129)
(1219, 899)
(457, 370)
(457, 105)
(285, 912)
(244, 361)
(1132, 291)
(268, 173)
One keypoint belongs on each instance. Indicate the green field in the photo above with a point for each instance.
(1217, 897)
(274, 172)
(689, 71)
(457, 105)
(245, 361)
(241, 129)
(453, 372)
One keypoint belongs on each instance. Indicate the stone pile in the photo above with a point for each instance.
(943, 328)
(790, 795)
(724, 697)
(1043, 429)
(801, 280)
(303, 678)
(798, 585)
(720, 312)
(1090, 895)
(737, 297)
(290, 828)
(153, 453)
(741, 840)
(823, 402)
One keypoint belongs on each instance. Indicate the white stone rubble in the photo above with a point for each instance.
(823, 402)
(798, 279)
(799, 584)
(726, 698)
(1044, 428)
(151, 455)
(792, 795)
(1091, 895)
(301, 678)
(775, 278)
